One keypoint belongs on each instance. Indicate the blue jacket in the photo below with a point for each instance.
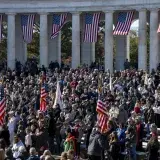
(121, 135)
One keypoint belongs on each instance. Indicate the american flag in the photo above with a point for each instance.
(27, 23)
(43, 103)
(2, 104)
(91, 27)
(124, 23)
(158, 31)
(1, 22)
(58, 22)
(102, 115)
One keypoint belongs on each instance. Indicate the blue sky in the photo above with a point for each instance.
(134, 25)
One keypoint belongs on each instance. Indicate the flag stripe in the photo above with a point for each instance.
(123, 27)
(57, 25)
(102, 115)
(27, 23)
(91, 29)
(2, 105)
(43, 104)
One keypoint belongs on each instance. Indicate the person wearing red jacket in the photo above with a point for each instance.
(137, 108)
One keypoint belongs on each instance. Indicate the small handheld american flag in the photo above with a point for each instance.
(124, 23)
(43, 102)
(103, 117)
(27, 23)
(2, 104)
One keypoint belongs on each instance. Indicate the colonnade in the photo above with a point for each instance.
(85, 52)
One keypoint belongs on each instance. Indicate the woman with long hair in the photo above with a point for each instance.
(114, 146)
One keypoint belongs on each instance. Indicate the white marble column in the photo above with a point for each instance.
(20, 52)
(87, 53)
(120, 52)
(59, 48)
(43, 39)
(25, 52)
(54, 45)
(142, 46)
(11, 41)
(108, 45)
(75, 39)
(93, 52)
(128, 47)
(154, 40)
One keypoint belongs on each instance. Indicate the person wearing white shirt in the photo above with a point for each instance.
(28, 139)
(17, 144)
(11, 125)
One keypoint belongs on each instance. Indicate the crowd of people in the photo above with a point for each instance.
(71, 129)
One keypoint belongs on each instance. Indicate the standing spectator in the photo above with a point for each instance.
(121, 135)
(114, 149)
(28, 139)
(137, 108)
(17, 144)
(153, 147)
(51, 131)
(33, 154)
(11, 126)
(95, 145)
(4, 134)
(122, 116)
(139, 133)
(131, 138)
(69, 143)
(126, 64)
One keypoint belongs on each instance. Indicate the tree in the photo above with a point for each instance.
(33, 47)
(66, 40)
(3, 44)
(133, 49)
(134, 46)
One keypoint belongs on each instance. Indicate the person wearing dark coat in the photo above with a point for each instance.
(4, 134)
(114, 146)
(37, 104)
(153, 147)
(95, 145)
(51, 131)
